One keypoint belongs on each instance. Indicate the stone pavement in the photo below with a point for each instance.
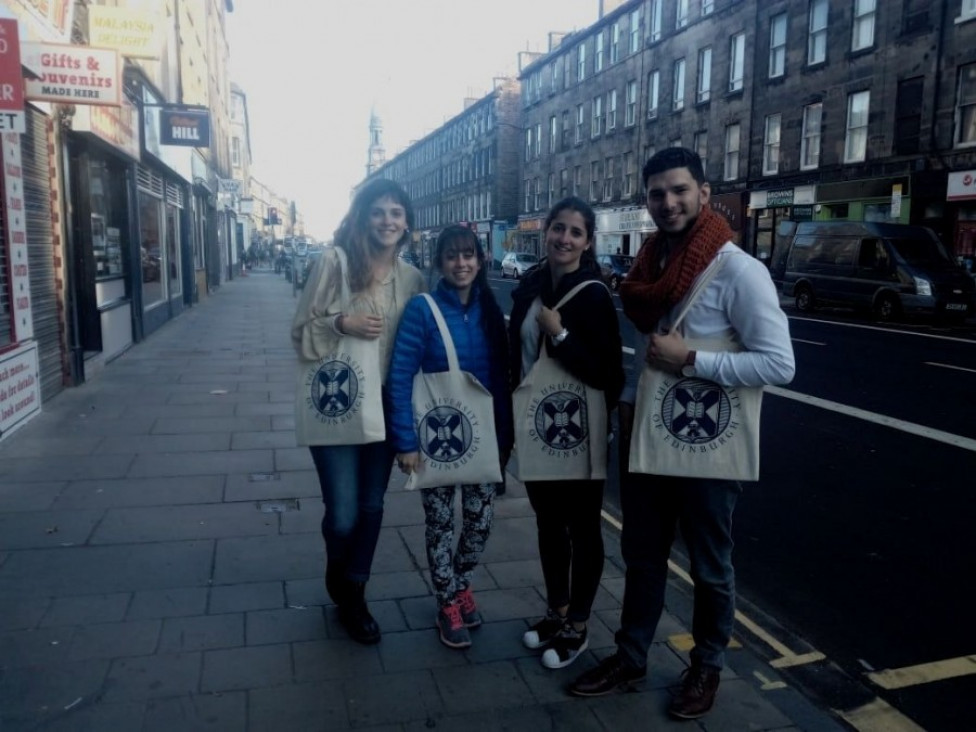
(161, 569)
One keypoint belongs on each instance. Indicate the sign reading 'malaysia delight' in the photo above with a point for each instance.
(73, 74)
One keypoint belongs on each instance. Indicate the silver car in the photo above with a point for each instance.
(516, 264)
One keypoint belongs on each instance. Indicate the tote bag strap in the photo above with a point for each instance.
(568, 296)
(345, 295)
(452, 359)
(700, 284)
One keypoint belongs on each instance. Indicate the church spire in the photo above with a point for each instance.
(377, 153)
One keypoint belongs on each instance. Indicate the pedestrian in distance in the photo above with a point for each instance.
(583, 336)
(477, 328)
(354, 477)
(691, 259)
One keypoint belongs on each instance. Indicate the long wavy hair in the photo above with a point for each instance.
(462, 239)
(353, 232)
(574, 203)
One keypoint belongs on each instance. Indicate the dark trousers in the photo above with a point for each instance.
(654, 507)
(567, 514)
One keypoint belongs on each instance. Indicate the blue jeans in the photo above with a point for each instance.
(353, 479)
(653, 507)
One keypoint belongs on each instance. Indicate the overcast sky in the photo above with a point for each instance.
(313, 69)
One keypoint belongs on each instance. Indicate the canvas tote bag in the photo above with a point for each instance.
(560, 422)
(339, 399)
(455, 420)
(691, 427)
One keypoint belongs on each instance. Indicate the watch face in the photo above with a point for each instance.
(688, 371)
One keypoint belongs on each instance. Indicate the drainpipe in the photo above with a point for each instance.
(76, 360)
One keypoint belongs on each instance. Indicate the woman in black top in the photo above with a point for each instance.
(584, 336)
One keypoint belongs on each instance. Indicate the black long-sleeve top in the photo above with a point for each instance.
(592, 351)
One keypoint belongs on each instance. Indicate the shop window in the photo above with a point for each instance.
(106, 239)
(151, 249)
(173, 260)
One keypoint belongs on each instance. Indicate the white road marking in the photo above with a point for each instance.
(949, 366)
(924, 673)
(842, 324)
(910, 427)
(812, 343)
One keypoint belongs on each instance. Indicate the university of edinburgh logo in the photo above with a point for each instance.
(696, 411)
(561, 420)
(335, 388)
(445, 434)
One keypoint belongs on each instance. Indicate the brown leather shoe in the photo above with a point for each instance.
(611, 673)
(697, 694)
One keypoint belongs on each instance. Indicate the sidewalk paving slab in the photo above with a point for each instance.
(161, 569)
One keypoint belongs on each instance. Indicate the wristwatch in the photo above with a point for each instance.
(688, 368)
(560, 337)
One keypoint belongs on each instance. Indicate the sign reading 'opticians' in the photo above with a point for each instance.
(72, 74)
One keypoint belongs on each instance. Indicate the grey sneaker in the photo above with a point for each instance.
(540, 634)
(451, 626)
(565, 647)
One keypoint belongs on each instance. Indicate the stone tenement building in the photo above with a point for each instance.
(801, 109)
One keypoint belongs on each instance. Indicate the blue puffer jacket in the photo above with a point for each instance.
(419, 346)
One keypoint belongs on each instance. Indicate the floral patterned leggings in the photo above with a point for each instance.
(450, 570)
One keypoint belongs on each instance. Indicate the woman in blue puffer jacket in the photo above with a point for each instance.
(477, 327)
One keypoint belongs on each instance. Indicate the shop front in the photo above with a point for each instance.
(203, 236)
(885, 200)
(102, 152)
(767, 209)
(527, 236)
(162, 247)
(961, 191)
(33, 359)
(621, 231)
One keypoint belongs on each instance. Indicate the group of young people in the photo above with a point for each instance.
(561, 312)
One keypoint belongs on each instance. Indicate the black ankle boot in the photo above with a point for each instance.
(355, 617)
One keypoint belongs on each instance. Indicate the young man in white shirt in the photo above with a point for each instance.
(740, 297)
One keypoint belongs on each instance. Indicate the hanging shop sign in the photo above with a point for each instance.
(13, 186)
(132, 33)
(12, 115)
(229, 186)
(73, 74)
(185, 127)
(118, 126)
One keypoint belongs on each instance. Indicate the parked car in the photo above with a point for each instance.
(516, 264)
(615, 268)
(889, 269)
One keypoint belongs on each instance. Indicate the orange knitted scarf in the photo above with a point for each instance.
(649, 292)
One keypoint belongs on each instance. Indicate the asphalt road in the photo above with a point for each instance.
(859, 535)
